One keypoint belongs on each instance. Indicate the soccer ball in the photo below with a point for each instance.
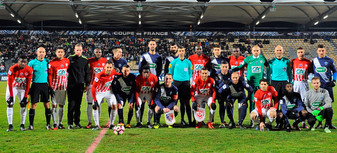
(119, 129)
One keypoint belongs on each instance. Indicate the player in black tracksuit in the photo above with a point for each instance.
(124, 89)
(78, 80)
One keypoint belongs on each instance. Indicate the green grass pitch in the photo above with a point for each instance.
(156, 140)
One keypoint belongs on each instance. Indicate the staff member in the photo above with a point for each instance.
(78, 81)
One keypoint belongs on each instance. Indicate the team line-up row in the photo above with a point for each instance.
(283, 95)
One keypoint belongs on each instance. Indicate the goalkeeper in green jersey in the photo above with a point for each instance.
(255, 68)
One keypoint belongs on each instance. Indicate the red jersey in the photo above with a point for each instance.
(198, 63)
(96, 66)
(57, 73)
(102, 83)
(301, 69)
(201, 87)
(19, 78)
(146, 86)
(263, 99)
(235, 62)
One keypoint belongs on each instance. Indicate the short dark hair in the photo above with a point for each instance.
(145, 67)
(59, 48)
(264, 80)
(217, 46)
(300, 48)
(126, 66)
(320, 46)
(181, 47)
(172, 44)
(204, 68)
(23, 57)
(224, 62)
(109, 62)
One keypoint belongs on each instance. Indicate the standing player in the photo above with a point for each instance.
(124, 89)
(101, 90)
(118, 61)
(78, 81)
(57, 78)
(255, 67)
(301, 67)
(236, 91)
(292, 107)
(146, 86)
(39, 89)
(173, 55)
(216, 60)
(153, 59)
(182, 69)
(324, 68)
(199, 61)
(166, 99)
(264, 104)
(202, 93)
(96, 65)
(236, 59)
(319, 105)
(19, 79)
(222, 78)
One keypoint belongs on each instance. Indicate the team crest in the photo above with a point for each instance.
(21, 73)
(26, 74)
(199, 61)
(119, 65)
(261, 61)
(269, 93)
(103, 64)
(236, 62)
(98, 64)
(300, 65)
(62, 65)
(326, 63)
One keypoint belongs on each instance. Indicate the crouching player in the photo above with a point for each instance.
(318, 104)
(57, 79)
(19, 79)
(101, 89)
(292, 108)
(202, 92)
(146, 85)
(166, 99)
(236, 91)
(124, 89)
(264, 106)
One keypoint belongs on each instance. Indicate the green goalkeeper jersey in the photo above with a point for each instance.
(255, 67)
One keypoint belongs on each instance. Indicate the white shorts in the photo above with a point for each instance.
(59, 98)
(201, 99)
(20, 92)
(108, 96)
(265, 113)
(301, 87)
(147, 97)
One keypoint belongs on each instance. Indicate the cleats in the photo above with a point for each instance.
(22, 127)
(210, 125)
(326, 130)
(89, 126)
(60, 126)
(55, 127)
(222, 125)
(198, 125)
(10, 128)
(48, 127)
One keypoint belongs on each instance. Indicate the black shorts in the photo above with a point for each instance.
(39, 91)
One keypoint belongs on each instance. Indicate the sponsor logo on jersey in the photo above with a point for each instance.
(165, 98)
(316, 104)
(204, 91)
(126, 89)
(290, 106)
(62, 72)
(98, 70)
(198, 67)
(152, 65)
(107, 84)
(96, 79)
(321, 69)
(284, 68)
(216, 66)
(20, 80)
(299, 71)
(146, 88)
(256, 69)
(265, 101)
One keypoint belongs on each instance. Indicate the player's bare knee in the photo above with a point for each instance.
(253, 115)
(157, 109)
(130, 106)
(46, 105)
(114, 107)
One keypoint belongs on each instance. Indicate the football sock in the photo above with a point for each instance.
(48, 115)
(61, 115)
(120, 115)
(113, 116)
(96, 118)
(31, 116)
(54, 115)
(149, 115)
(10, 115)
(23, 112)
(89, 112)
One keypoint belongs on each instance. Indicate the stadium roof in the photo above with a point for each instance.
(221, 15)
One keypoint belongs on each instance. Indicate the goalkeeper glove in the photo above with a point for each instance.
(10, 101)
(23, 102)
(319, 118)
(95, 105)
(316, 112)
(332, 83)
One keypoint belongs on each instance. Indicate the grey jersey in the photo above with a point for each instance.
(314, 99)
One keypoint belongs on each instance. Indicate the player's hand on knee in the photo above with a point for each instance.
(120, 106)
(332, 83)
(213, 106)
(23, 102)
(95, 105)
(51, 91)
(131, 106)
(166, 110)
(10, 101)
(194, 105)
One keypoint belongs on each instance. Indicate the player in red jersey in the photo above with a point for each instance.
(198, 61)
(57, 79)
(236, 59)
(19, 79)
(203, 90)
(96, 65)
(264, 106)
(146, 86)
(101, 90)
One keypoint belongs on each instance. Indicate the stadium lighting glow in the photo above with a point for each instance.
(325, 17)
(258, 22)
(18, 21)
(199, 22)
(316, 22)
(263, 16)
(76, 15)
(12, 15)
(79, 21)
(140, 16)
(202, 16)
(140, 22)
